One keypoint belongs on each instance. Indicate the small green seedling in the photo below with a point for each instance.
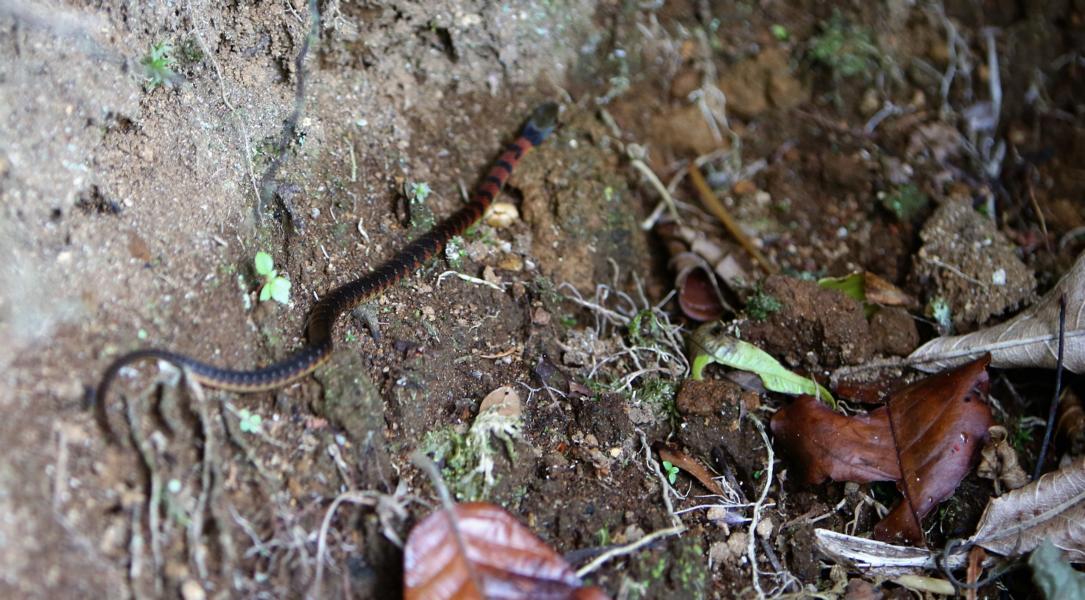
(248, 421)
(671, 470)
(780, 32)
(158, 64)
(275, 286)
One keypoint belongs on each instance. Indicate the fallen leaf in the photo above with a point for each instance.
(926, 439)
(1070, 425)
(692, 466)
(1052, 508)
(1030, 339)
(479, 550)
(712, 345)
(998, 461)
(874, 557)
(1053, 575)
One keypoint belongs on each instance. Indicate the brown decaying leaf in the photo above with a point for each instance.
(929, 431)
(880, 291)
(1030, 339)
(1052, 507)
(479, 550)
(998, 461)
(697, 295)
(692, 466)
(1070, 425)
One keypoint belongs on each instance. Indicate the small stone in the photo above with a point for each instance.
(870, 103)
(540, 316)
(764, 527)
(744, 187)
(191, 590)
(490, 276)
(501, 215)
(511, 262)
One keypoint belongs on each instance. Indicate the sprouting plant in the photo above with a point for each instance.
(275, 286)
(762, 304)
(780, 32)
(671, 471)
(846, 49)
(158, 64)
(249, 422)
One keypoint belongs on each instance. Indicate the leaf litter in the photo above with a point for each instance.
(926, 439)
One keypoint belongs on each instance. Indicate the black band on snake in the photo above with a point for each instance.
(322, 319)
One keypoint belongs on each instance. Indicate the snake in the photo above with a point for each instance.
(320, 325)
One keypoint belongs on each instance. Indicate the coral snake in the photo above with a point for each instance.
(325, 313)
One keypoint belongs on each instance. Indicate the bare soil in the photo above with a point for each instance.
(131, 214)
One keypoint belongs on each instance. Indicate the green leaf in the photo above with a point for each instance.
(853, 286)
(280, 290)
(264, 264)
(1053, 575)
(265, 292)
(672, 471)
(710, 345)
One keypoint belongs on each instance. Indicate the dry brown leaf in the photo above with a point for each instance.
(926, 439)
(998, 461)
(1052, 508)
(692, 466)
(1070, 425)
(1030, 339)
(479, 550)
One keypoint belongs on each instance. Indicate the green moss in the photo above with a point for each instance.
(905, 202)
(761, 304)
(845, 49)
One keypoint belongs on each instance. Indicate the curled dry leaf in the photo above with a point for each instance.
(692, 258)
(478, 550)
(998, 461)
(880, 557)
(1030, 339)
(1070, 426)
(1052, 508)
(926, 439)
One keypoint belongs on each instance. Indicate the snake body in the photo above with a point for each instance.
(326, 312)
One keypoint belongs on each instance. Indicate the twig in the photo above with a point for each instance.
(291, 125)
(954, 270)
(628, 549)
(364, 498)
(147, 454)
(667, 200)
(716, 208)
(751, 548)
(1058, 389)
(469, 279)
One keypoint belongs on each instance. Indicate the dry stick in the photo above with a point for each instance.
(751, 548)
(291, 124)
(716, 208)
(627, 549)
(1058, 388)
